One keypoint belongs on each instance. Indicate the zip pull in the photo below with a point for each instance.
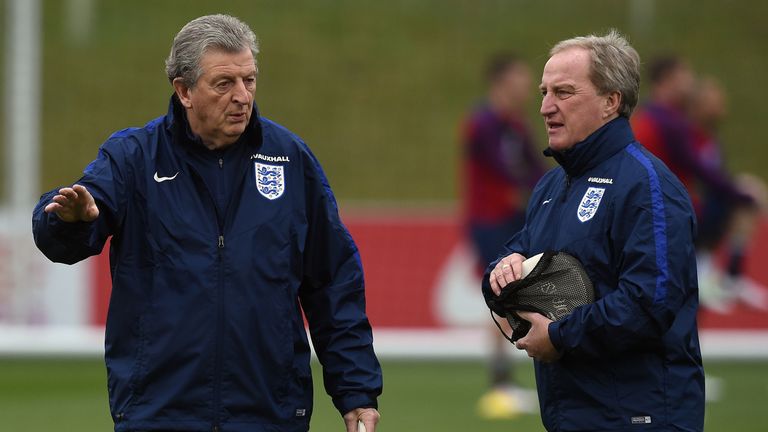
(567, 186)
(221, 242)
(221, 163)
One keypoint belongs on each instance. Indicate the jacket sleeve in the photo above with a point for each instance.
(656, 277)
(333, 299)
(70, 242)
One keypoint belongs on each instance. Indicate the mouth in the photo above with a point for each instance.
(553, 126)
(237, 117)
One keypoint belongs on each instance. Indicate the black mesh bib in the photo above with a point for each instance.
(554, 288)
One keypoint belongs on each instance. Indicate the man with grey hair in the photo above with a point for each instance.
(630, 359)
(225, 234)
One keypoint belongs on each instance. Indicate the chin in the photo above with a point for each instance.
(561, 144)
(236, 131)
(556, 146)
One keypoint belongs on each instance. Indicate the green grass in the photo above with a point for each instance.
(66, 394)
(377, 88)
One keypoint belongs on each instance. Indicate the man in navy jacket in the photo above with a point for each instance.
(224, 229)
(631, 360)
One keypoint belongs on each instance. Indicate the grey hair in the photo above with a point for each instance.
(210, 32)
(615, 66)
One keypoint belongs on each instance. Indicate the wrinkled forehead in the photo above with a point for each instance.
(568, 67)
(216, 59)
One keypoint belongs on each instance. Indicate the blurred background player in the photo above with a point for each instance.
(678, 124)
(501, 165)
(723, 220)
(661, 124)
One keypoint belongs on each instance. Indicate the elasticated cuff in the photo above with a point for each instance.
(352, 401)
(554, 335)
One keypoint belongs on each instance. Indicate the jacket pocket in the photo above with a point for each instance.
(125, 374)
(300, 391)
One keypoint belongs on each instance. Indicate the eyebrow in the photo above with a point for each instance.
(559, 86)
(229, 75)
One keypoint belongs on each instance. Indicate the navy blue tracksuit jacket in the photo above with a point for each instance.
(205, 328)
(631, 360)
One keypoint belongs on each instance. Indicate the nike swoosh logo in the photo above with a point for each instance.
(545, 202)
(162, 179)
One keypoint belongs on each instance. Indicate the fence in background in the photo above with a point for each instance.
(422, 287)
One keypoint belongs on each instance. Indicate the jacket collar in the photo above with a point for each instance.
(603, 143)
(178, 126)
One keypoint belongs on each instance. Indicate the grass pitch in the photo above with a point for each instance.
(70, 394)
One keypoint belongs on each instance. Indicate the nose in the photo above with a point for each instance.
(240, 93)
(548, 106)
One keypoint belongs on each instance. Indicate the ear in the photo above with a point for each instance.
(182, 91)
(612, 103)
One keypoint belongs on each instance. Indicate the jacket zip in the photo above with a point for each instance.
(220, 309)
(217, 368)
(217, 342)
(567, 187)
(560, 207)
(219, 318)
(220, 294)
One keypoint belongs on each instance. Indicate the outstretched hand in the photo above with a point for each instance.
(74, 204)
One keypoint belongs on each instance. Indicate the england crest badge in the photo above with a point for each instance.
(270, 180)
(589, 203)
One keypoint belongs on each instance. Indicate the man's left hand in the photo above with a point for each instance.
(369, 416)
(537, 343)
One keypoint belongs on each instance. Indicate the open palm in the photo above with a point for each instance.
(74, 204)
